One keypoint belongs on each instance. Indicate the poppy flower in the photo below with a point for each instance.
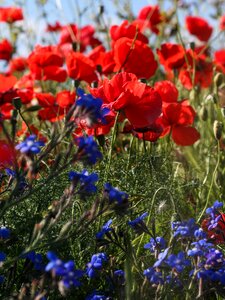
(200, 67)
(11, 14)
(219, 59)
(6, 50)
(222, 23)
(150, 133)
(140, 103)
(71, 34)
(81, 67)
(45, 63)
(102, 59)
(130, 31)
(17, 64)
(7, 154)
(134, 57)
(54, 28)
(7, 90)
(217, 234)
(167, 91)
(199, 27)
(45, 99)
(178, 118)
(65, 99)
(150, 17)
(51, 114)
(171, 56)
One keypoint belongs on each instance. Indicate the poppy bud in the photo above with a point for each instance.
(203, 113)
(17, 103)
(192, 46)
(217, 129)
(192, 95)
(143, 80)
(218, 79)
(211, 98)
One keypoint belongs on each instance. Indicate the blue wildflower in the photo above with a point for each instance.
(86, 181)
(2, 256)
(114, 194)
(90, 109)
(95, 264)
(214, 259)
(96, 295)
(161, 258)
(214, 209)
(184, 228)
(138, 225)
(105, 228)
(157, 243)
(4, 232)
(29, 145)
(154, 276)
(36, 259)
(119, 276)
(200, 248)
(200, 234)
(88, 150)
(69, 275)
(178, 262)
(2, 279)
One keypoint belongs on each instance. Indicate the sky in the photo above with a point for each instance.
(66, 11)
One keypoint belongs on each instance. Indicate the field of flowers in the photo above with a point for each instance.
(112, 153)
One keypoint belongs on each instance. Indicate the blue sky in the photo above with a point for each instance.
(65, 11)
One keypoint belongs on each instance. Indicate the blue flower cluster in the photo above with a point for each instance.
(86, 181)
(115, 195)
(90, 108)
(201, 258)
(88, 150)
(66, 270)
(30, 145)
(96, 264)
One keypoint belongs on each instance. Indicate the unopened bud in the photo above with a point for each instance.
(217, 129)
(192, 95)
(218, 79)
(211, 98)
(203, 113)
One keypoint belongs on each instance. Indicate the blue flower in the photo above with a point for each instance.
(90, 109)
(29, 145)
(119, 276)
(138, 225)
(154, 276)
(178, 262)
(4, 233)
(2, 279)
(105, 228)
(96, 296)
(96, 264)
(200, 234)
(88, 150)
(214, 209)
(69, 275)
(86, 181)
(161, 258)
(114, 194)
(36, 259)
(2, 256)
(156, 244)
(200, 248)
(214, 259)
(184, 228)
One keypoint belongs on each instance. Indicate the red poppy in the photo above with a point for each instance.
(178, 118)
(6, 50)
(134, 57)
(200, 67)
(151, 133)
(199, 27)
(130, 31)
(10, 14)
(17, 64)
(171, 56)
(151, 17)
(219, 58)
(7, 154)
(51, 114)
(167, 90)
(45, 63)
(65, 99)
(216, 235)
(54, 28)
(45, 99)
(102, 59)
(81, 67)
(222, 23)
(140, 103)
(7, 90)
(82, 36)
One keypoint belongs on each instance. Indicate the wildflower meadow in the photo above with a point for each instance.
(112, 149)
